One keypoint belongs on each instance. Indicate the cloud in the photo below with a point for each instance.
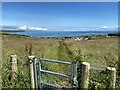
(23, 27)
(104, 27)
(5, 27)
(32, 28)
(89, 28)
(35, 28)
(117, 26)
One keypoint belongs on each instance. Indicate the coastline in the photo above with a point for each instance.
(93, 51)
(12, 31)
(7, 32)
(79, 37)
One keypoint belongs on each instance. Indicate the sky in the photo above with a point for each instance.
(47, 14)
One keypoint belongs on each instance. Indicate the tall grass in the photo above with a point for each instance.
(102, 52)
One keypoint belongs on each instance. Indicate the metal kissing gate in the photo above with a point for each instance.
(37, 66)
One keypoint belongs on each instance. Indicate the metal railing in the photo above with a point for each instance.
(79, 74)
(37, 67)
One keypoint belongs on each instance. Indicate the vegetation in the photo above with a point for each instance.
(114, 34)
(102, 52)
(11, 30)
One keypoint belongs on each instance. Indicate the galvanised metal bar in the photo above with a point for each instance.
(53, 85)
(55, 61)
(74, 74)
(35, 72)
(40, 76)
(56, 73)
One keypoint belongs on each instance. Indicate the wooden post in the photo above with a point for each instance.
(31, 58)
(0, 77)
(85, 75)
(0, 62)
(112, 71)
(14, 70)
(0, 70)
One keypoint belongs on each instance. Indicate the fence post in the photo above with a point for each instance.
(31, 58)
(112, 71)
(0, 75)
(85, 75)
(14, 70)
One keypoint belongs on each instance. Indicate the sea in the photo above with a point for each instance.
(60, 31)
(42, 33)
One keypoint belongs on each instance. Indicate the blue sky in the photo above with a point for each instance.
(46, 14)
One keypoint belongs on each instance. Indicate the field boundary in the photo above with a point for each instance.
(78, 71)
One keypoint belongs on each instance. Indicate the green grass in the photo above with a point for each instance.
(92, 51)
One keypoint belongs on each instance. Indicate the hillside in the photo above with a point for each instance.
(102, 52)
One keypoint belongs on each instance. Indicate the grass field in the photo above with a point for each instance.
(102, 52)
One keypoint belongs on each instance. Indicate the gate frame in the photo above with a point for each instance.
(84, 78)
(73, 76)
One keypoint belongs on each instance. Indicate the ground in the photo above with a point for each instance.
(101, 52)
